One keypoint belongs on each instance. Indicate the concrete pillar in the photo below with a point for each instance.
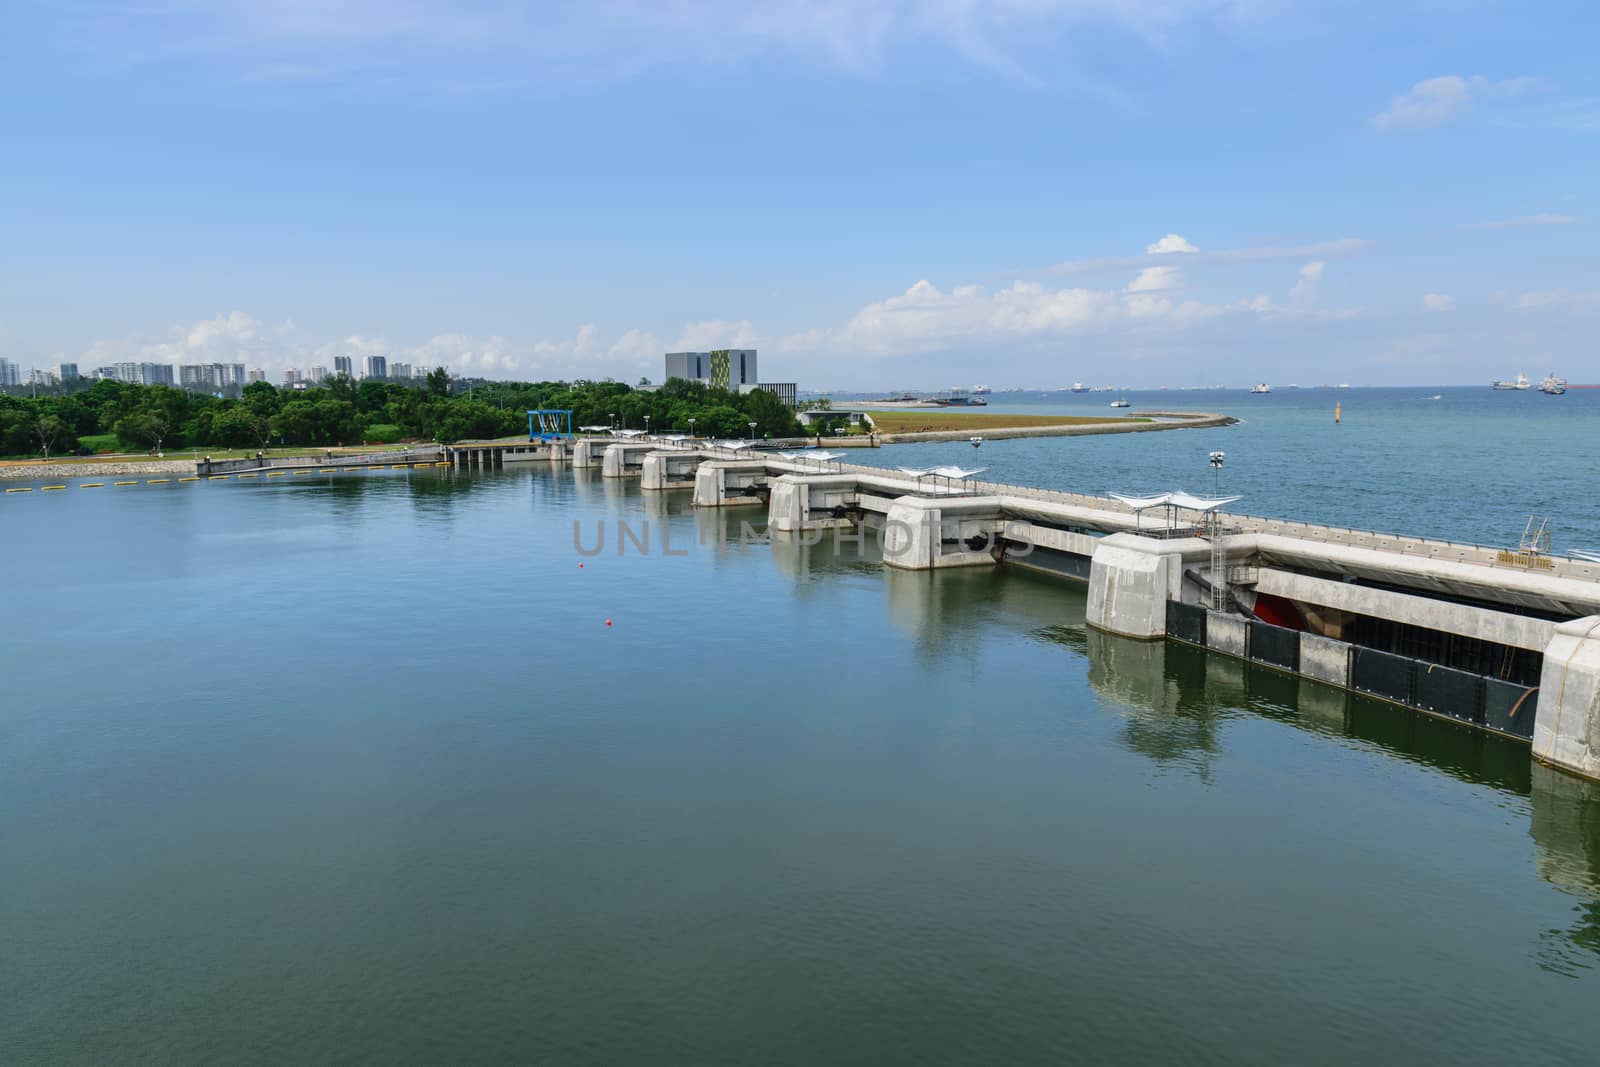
(911, 534)
(1566, 732)
(1131, 578)
(613, 464)
(915, 528)
(587, 452)
(709, 481)
(789, 506)
(653, 475)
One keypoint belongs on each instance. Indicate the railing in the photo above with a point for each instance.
(1459, 551)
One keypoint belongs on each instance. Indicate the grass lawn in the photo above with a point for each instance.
(918, 421)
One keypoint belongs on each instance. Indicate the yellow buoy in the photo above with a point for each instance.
(1336, 413)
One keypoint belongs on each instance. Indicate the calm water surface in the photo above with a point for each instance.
(1470, 466)
(351, 770)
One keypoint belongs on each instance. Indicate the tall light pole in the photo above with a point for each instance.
(613, 417)
(752, 433)
(1216, 472)
(647, 425)
(691, 429)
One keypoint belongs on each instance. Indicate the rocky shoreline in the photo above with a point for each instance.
(116, 468)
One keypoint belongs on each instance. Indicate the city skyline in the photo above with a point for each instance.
(873, 194)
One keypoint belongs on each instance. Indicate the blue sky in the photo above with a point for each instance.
(875, 194)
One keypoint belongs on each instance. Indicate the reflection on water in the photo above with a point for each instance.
(1566, 834)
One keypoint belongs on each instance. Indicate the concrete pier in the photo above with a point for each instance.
(1567, 731)
(1500, 641)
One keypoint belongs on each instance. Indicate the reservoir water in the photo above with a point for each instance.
(1469, 466)
(352, 769)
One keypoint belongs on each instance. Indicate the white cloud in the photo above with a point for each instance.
(1153, 279)
(1438, 100)
(1541, 219)
(501, 44)
(636, 345)
(714, 333)
(1194, 256)
(1170, 243)
(1548, 298)
(1438, 302)
(1304, 293)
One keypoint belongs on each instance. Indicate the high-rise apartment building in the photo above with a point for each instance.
(376, 367)
(143, 373)
(341, 365)
(10, 373)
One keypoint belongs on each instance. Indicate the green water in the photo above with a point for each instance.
(352, 770)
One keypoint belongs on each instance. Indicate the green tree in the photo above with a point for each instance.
(48, 429)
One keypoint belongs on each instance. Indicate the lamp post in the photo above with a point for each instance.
(691, 429)
(1216, 472)
(647, 425)
(613, 417)
(752, 433)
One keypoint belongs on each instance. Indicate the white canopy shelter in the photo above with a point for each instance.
(1173, 502)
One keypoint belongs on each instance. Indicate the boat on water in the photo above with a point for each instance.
(981, 390)
(1435, 396)
(1079, 387)
(1261, 389)
(1553, 386)
(1121, 404)
(1519, 384)
(957, 398)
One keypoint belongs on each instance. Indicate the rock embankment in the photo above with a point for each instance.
(1163, 420)
(118, 468)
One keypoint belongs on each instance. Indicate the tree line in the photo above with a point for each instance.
(341, 412)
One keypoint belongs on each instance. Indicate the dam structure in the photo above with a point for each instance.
(1501, 640)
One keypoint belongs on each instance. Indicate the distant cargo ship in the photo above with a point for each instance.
(981, 390)
(1519, 384)
(1079, 387)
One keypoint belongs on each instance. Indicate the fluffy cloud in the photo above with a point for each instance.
(1436, 100)
(1438, 302)
(926, 318)
(1154, 279)
(1170, 243)
(715, 333)
(1304, 293)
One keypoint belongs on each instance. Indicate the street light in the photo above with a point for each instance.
(752, 433)
(647, 425)
(613, 418)
(691, 429)
(1216, 472)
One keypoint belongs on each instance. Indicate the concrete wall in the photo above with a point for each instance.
(1499, 627)
(1227, 633)
(1325, 659)
(1566, 733)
